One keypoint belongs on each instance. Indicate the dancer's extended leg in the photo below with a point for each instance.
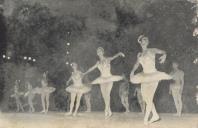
(47, 102)
(73, 97)
(77, 103)
(43, 102)
(88, 101)
(108, 98)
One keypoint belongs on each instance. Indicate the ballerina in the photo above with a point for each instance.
(150, 77)
(17, 95)
(77, 89)
(176, 88)
(45, 92)
(141, 102)
(106, 79)
(124, 93)
(30, 94)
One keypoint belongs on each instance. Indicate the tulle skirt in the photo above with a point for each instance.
(149, 77)
(103, 80)
(46, 90)
(78, 89)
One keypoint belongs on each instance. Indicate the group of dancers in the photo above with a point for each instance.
(44, 91)
(147, 83)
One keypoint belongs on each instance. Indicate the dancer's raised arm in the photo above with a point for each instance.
(137, 64)
(69, 80)
(91, 69)
(158, 51)
(120, 54)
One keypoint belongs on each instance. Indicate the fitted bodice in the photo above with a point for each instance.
(77, 78)
(147, 61)
(105, 67)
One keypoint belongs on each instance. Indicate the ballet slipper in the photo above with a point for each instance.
(154, 120)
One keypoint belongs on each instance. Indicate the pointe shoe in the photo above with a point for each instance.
(75, 114)
(43, 111)
(88, 111)
(110, 114)
(146, 123)
(127, 111)
(68, 114)
(154, 120)
(177, 114)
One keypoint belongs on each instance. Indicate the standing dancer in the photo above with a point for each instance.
(124, 93)
(30, 94)
(106, 79)
(150, 77)
(45, 92)
(176, 88)
(77, 89)
(141, 102)
(17, 95)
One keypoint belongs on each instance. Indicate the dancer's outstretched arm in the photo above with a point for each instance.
(91, 69)
(137, 64)
(158, 51)
(116, 56)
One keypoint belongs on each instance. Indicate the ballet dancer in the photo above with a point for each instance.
(30, 94)
(176, 87)
(45, 92)
(17, 95)
(138, 94)
(149, 77)
(124, 93)
(77, 89)
(106, 79)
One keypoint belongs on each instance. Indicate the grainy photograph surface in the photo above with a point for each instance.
(99, 63)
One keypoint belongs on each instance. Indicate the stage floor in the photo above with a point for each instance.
(93, 120)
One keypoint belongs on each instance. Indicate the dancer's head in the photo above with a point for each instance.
(175, 65)
(100, 52)
(74, 66)
(143, 41)
(29, 85)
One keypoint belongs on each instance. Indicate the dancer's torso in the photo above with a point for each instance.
(147, 60)
(176, 75)
(77, 78)
(104, 67)
(124, 88)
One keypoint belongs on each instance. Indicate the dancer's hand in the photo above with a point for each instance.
(121, 54)
(132, 73)
(162, 59)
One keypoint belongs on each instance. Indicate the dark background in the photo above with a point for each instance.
(41, 29)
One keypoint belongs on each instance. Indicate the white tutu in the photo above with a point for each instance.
(149, 77)
(78, 89)
(103, 80)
